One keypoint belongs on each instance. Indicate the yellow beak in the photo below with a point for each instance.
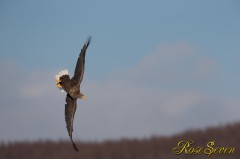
(58, 84)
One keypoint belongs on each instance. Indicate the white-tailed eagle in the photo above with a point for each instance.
(72, 88)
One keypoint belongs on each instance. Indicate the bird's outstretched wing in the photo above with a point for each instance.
(79, 69)
(70, 109)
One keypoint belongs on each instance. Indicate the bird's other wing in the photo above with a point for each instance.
(70, 109)
(79, 69)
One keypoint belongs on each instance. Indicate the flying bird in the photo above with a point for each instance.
(72, 88)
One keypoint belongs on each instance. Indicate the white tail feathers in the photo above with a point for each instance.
(61, 73)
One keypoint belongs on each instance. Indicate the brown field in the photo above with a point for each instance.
(149, 148)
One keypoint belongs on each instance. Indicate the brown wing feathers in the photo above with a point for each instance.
(70, 109)
(79, 69)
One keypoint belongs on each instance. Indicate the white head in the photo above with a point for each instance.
(58, 76)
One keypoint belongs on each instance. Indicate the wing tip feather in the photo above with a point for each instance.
(89, 40)
(75, 147)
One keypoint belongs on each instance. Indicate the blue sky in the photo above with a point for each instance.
(172, 56)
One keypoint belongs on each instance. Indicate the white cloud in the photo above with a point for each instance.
(179, 102)
(174, 63)
(205, 67)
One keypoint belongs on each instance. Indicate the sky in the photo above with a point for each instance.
(153, 68)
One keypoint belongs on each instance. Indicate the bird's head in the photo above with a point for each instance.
(57, 79)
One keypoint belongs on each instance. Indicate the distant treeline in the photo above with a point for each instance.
(223, 138)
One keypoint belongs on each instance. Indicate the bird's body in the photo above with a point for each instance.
(72, 88)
